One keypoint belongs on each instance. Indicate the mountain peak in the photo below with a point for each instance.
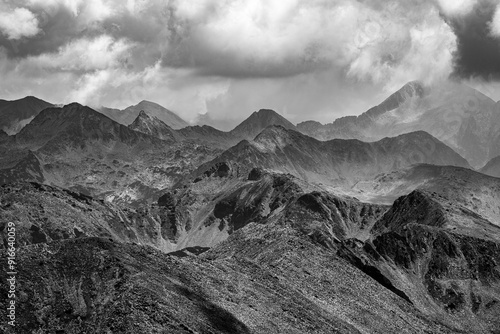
(413, 89)
(258, 121)
(143, 114)
(146, 102)
(128, 115)
(152, 126)
(72, 105)
(415, 85)
(147, 119)
(32, 98)
(266, 112)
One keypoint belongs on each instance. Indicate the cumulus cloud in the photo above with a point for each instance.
(230, 57)
(495, 23)
(102, 52)
(18, 23)
(287, 38)
(478, 49)
(457, 7)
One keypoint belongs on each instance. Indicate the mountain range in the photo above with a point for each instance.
(459, 116)
(134, 221)
(338, 162)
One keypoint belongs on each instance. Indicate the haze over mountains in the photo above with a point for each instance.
(16, 114)
(139, 222)
(461, 117)
(129, 114)
(492, 167)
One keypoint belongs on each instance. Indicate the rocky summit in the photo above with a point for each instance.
(153, 126)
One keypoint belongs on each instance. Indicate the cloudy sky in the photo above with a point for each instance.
(307, 59)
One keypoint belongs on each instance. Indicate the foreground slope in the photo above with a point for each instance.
(295, 258)
(264, 280)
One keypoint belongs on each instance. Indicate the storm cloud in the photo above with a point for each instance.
(478, 43)
(307, 59)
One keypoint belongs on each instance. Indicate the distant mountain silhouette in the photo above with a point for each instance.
(351, 127)
(14, 115)
(461, 117)
(128, 115)
(257, 122)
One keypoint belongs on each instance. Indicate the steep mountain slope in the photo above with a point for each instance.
(459, 116)
(44, 213)
(128, 115)
(257, 122)
(440, 254)
(439, 244)
(337, 162)
(492, 168)
(14, 115)
(153, 126)
(288, 285)
(412, 251)
(28, 168)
